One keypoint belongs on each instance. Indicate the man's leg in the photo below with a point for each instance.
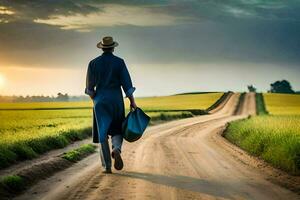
(105, 156)
(117, 141)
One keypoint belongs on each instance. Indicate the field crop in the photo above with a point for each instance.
(178, 102)
(162, 103)
(30, 129)
(282, 104)
(46, 105)
(25, 134)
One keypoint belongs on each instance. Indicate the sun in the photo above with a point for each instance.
(2, 80)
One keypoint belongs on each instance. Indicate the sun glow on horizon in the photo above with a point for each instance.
(2, 81)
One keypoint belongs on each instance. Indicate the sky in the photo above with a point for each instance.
(169, 46)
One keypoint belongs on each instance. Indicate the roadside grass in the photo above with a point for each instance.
(275, 137)
(28, 149)
(30, 129)
(12, 184)
(80, 152)
(26, 134)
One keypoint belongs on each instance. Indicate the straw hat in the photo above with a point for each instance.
(107, 42)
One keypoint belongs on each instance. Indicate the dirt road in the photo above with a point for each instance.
(176, 160)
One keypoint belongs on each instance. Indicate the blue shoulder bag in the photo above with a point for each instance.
(135, 124)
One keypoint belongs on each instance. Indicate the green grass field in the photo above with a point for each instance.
(275, 137)
(46, 105)
(30, 129)
(178, 102)
(27, 133)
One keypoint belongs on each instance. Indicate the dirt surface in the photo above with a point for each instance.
(182, 159)
(248, 105)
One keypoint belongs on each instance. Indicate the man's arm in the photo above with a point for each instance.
(90, 82)
(132, 102)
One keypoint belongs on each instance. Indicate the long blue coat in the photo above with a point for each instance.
(106, 75)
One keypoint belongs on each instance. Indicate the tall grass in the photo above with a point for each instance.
(275, 139)
(13, 183)
(31, 148)
(26, 134)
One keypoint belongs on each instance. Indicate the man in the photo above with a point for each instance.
(106, 75)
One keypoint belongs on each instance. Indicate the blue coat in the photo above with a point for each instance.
(106, 75)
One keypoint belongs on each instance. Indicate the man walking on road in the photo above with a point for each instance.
(106, 75)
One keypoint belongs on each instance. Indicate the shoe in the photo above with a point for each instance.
(118, 159)
(106, 171)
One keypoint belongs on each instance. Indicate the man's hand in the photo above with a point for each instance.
(92, 96)
(133, 105)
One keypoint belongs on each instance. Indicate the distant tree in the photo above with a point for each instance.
(251, 88)
(42, 98)
(62, 97)
(281, 87)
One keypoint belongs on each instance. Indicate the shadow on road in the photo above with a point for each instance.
(186, 183)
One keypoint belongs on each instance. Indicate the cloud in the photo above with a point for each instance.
(265, 4)
(112, 15)
(239, 12)
(84, 15)
(5, 14)
(5, 11)
(150, 32)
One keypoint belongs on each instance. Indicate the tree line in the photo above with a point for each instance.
(282, 86)
(41, 98)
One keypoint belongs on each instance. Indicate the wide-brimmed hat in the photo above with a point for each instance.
(107, 42)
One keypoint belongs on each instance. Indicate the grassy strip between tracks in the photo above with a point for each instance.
(77, 154)
(11, 185)
(260, 104)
